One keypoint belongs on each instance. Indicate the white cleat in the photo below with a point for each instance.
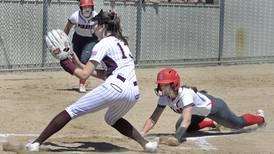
(82, 88)
(261, 114)
(33, 146)
(151, 147)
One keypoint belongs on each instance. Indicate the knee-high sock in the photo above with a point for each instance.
(251, 119)
(54, 126)
(125, 128)
(82, 82)
(206, 123)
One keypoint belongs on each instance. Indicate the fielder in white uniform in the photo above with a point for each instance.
(83, 38)
(194, 106)
(118, 93)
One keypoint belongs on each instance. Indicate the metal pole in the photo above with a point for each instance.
(45, 30)
(221, 30)
(138, 30)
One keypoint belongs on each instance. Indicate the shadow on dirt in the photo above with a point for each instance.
(84, 147)
(209, 133)
(69, 89)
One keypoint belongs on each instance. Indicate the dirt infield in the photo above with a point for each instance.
(28, 101)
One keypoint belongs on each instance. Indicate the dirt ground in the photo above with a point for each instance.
(29, 100)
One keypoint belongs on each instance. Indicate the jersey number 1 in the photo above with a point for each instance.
(123, 53)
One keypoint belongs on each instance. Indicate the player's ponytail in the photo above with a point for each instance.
(113, 25)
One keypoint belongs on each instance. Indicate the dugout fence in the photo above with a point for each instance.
(227, 31)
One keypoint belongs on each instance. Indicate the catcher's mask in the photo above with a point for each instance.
(167, 76)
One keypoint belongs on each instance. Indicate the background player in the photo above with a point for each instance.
(194, 106)
(83, 38)
(118, 93)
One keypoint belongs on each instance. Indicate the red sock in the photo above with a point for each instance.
(208, 123)
(82, 81)
(251, 119)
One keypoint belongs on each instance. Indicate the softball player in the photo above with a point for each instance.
(194, 106)
(83, 38)
(118, 93)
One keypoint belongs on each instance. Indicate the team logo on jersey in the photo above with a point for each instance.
(85, 26)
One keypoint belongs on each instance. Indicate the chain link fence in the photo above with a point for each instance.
(159, 34)
(249, 30)
(20, 33)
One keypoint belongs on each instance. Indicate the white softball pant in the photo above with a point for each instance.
(116, 95)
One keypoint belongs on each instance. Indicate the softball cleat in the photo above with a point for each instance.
(151, 147)
(261, 114)
(33, 146)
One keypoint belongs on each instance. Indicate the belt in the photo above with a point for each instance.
(124, 79)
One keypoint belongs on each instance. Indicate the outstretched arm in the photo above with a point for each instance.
(187, 114)
(151, 121)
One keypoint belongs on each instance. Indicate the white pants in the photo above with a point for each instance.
(118, 96)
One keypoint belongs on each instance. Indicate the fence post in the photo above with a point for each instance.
(138, 30)
(45, 30)
(221, 30)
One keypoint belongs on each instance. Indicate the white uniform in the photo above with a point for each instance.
(83, 25)
(119, 92)
(201, 104)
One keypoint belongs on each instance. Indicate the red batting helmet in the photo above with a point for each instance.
(86, 3)
(168, 76)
